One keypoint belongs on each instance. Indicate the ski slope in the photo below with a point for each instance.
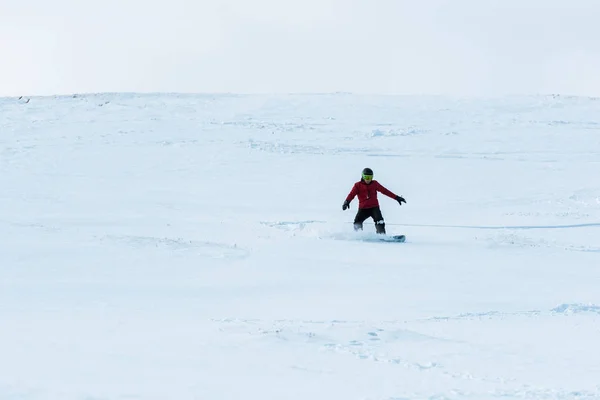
(165, 246)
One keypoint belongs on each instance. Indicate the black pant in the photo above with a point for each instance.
(364, 213)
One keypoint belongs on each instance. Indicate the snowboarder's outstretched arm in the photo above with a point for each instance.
(350, 196)
(382, 189)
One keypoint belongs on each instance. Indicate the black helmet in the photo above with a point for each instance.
(367, 171)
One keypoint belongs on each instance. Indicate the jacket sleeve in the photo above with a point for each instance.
(380, 188)
(352, 193)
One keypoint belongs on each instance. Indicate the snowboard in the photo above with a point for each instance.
(383, 238)
(394, 238)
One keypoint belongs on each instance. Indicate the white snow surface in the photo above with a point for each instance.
(166, 246)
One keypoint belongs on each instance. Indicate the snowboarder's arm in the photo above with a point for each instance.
(380, 188)
(350, 196)
(390, 194)
(352, 193)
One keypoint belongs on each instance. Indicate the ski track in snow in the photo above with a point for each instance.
(198, 248)
(508, 235)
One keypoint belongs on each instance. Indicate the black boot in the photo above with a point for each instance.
(380, 227)
(358, 227)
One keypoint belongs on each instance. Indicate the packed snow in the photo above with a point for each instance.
(167, 246)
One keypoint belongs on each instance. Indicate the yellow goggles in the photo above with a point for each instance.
(368, 177)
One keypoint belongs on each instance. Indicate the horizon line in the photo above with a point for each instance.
(325, 93)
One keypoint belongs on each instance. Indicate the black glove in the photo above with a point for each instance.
(345, 205)
(400, 200)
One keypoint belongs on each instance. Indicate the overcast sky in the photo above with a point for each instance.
(465, 47)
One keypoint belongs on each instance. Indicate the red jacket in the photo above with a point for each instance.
(367, 193)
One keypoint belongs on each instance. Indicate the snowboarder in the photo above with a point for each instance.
(368, 206)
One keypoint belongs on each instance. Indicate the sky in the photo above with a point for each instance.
(458, 47)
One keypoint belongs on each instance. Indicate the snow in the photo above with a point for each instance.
(167, 246)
